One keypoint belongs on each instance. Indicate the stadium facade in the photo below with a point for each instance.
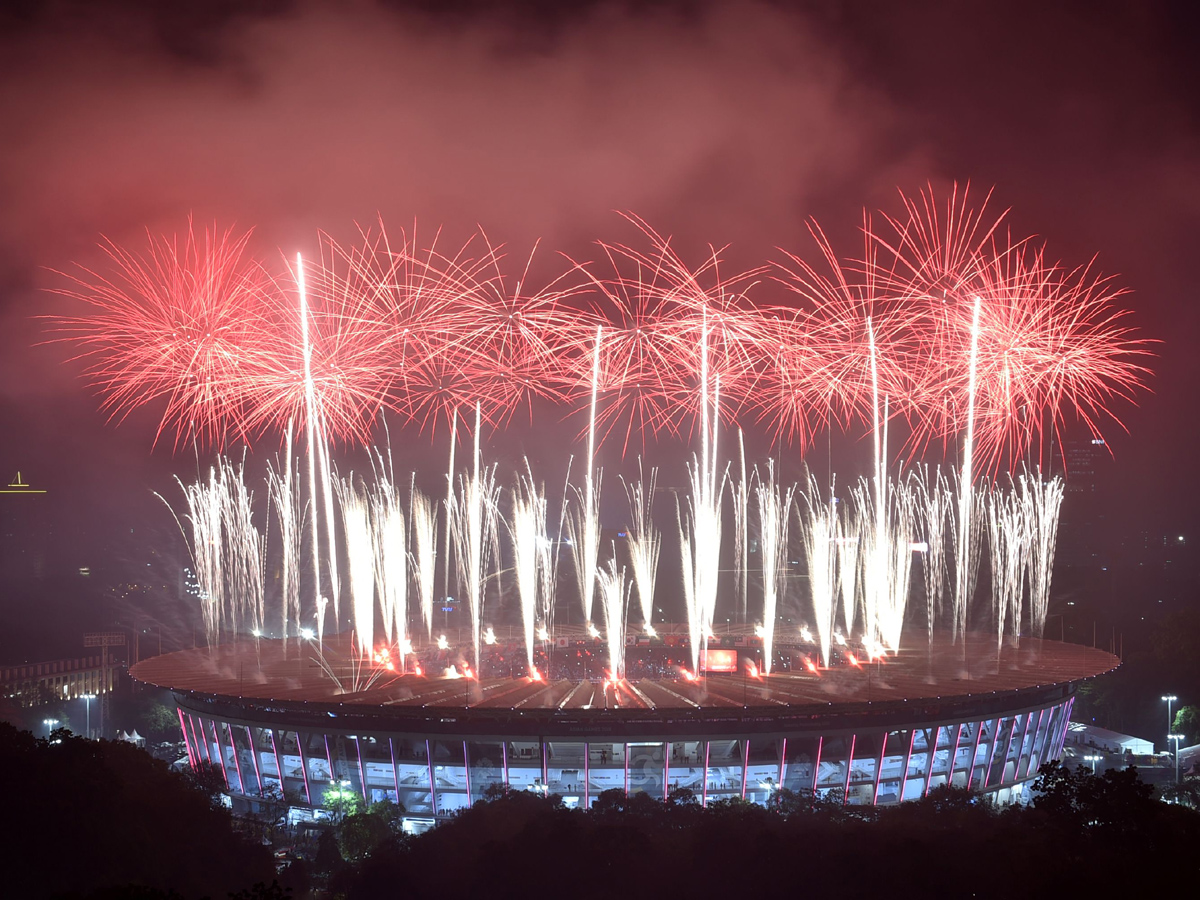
(875, 735)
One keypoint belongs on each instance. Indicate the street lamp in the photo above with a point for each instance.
(1169, 699)
(49, 723)
(1176, 738)
(1093, 760)
(87, 699)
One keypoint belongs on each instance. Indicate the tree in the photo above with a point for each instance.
(118, 817)
(329, 859)
(1187, 723)
(360, 833)
(341, 802)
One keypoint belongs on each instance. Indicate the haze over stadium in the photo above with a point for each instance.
(250, 133)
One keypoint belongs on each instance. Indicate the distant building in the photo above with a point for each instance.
(32, 684)
(1084, 465)
(25, 531)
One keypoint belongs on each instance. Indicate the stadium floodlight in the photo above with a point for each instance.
(1176, 738)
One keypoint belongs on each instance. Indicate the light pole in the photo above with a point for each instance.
(1176, 738)
(49, 723)
(1169, 699)
(1093, 760)
(87, 699)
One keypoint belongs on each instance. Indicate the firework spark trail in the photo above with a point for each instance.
(475, 534)
(872, 566)
(819, 533)
(327, 480)
(227, 549)
(934, 500)
(1008, 543)
(645, 543)
(700, 529)
(774, 509)
(527, 529)
(548, 563)
(885, 560)
(901, 532)
(204, 502)
(849, 536)
(389, 541)
(583, 525)
(741, 534)
(311, 426)
(614, 604)
(360, 554)
(283, 493)
(968, 526)
(965, 555)
(243, 539)
(450, 505)
(1040, 502)
(423, 527)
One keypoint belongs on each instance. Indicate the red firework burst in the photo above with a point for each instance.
(199, 325)
(176, 323)
(1050, 341)
(850, 344)
(663, 323)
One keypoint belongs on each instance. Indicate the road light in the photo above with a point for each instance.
(50, 724)
(87, 699)
(1169, 699)
(1093, 760)
(1176, 738)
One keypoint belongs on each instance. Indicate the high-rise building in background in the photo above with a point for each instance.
(25, 531)
(1083, 539)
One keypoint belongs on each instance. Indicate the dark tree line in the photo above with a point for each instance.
(1081, 834)
(103, 819)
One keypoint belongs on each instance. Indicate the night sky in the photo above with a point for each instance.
(717, 122)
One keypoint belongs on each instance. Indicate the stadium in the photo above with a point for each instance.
(284, 722)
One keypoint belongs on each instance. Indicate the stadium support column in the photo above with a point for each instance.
(782, 763)
(879, 769)
(303, 767)
(817, 764)
(254, 757)
(395, 774)
(504, 759)
(666, 751)
(912, 740)
(745, 765)
(931, 756)
(849, 766)
(220, 749)
(237, 763)
(362, 769)
(278, 765)
(954, 754)
(1021, 747)
(193, 760)
(432, 781)
(974, 752)
(467, 771)
(1035, 749)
